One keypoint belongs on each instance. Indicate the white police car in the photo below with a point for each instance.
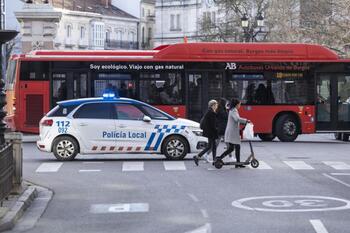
(116, 125)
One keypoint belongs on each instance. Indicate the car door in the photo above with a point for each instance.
(132, 131)
(95, 127)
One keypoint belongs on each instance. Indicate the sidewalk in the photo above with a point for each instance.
(30, 137)
(16, 205)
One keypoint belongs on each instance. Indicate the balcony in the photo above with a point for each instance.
(118, 44)
(83, 43)
(68, 42)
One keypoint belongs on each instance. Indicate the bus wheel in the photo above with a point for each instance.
(266, 137)
(175, 147)
(338, 136)
(287, 128)
(65, 148)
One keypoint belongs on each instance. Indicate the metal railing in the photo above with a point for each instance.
(118, 44)
(6, 171)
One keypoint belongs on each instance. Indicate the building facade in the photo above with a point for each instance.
(180, 19)
(147, 23)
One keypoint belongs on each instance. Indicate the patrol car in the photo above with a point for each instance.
(116, 125)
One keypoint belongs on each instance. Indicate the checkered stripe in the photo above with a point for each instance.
(169, 128)
(116, 148)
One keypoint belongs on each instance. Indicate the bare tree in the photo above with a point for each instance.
(227, 26)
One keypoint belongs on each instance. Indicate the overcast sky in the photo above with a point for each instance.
(130, 6)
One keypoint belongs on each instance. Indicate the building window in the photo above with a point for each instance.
(108, 35)
(98, 34)
(143, 35)
(172, 22)
(82, 32)
(148, 12)
(175, 22)
(69, 31)
(178, 22)
(143, 12)
(149, 34)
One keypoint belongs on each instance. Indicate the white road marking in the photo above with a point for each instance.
(318, 226)
(119, 208)
(204, 213)
(89, 170)
(174, 166)
(49, 167)
(193, 197)
(337, 165)
(298, 165)
(93, 162)
(204, 229)
(132, 166)
(340, 174)
(337, 180)
(262, 165)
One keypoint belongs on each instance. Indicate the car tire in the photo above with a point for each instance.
(266, 137)
(65, 148)
(175, 147)
(287, 128)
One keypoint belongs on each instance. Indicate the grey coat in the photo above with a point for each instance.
(232, 129)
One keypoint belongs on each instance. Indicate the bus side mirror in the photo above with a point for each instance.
(146, 119)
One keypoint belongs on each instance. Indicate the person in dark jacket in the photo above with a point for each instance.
(208, 124)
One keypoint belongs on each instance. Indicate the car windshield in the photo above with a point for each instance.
(155, 114)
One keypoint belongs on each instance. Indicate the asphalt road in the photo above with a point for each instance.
(300, 187)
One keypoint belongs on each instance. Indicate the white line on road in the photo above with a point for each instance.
(318, 226)
(93, 162)
(262, 165)
(49, 167)
(89, 170)
(204, 229)
(193, 197)
(337, 165)
(298, 165)
(204, 213)
(132, 166)
(119, 208)
(337, 180)
(340, 174)
(174, 166)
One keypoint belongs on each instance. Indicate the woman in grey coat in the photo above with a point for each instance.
(232, 135)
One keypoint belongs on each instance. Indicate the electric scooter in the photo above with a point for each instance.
(219, 163)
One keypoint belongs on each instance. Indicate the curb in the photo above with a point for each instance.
(30, 138)
(16, 212)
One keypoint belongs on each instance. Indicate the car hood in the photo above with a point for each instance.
(187, 122)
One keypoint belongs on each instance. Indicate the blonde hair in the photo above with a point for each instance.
(211, 103)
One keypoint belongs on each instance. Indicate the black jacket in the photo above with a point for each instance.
(209, 125)
(221, 121)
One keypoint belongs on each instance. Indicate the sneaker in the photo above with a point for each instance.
(195, 159)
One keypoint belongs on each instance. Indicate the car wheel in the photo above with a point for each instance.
(287, 128)
(267, 137)
(65, 148)
(175, 147)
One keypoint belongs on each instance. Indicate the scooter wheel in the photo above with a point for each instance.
(218, 164)
(254, 163)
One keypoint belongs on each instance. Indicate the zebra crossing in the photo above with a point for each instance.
(139, 166)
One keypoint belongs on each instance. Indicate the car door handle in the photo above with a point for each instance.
(122, 126)
(83, 124)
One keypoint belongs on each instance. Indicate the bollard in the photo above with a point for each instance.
(16, 139)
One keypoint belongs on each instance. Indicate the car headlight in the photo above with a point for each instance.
(196, 131)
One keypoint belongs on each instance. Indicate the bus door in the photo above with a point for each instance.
(333, 102)
(214, 85)
(195, 100)
(121, 83)
(80, 85)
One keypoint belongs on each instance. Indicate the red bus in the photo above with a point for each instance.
(286, 89)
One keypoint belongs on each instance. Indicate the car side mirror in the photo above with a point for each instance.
(146, 118)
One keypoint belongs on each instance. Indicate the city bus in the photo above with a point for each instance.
(286, 89)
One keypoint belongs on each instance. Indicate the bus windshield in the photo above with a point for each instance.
(10, 74)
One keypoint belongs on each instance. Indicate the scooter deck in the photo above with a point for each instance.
(236, 163)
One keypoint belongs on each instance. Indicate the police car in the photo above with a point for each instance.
(116, 125)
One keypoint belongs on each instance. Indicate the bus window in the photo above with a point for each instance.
(34, 71)
(59, 87)
(119, 83)
(10, 74)
(292, 91)
(344, 98)
(161, 89)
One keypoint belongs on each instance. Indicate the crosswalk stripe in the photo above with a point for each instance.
(298, 165)
(174, 166)
(262, 165)
(132, 166)
(90, 170)
(337, 165)
(48, 167)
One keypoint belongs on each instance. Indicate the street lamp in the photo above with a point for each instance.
(249, 29)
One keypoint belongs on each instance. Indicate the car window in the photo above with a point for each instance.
(94, 111)
(154, 113)
(60, 110)
(128, 112)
